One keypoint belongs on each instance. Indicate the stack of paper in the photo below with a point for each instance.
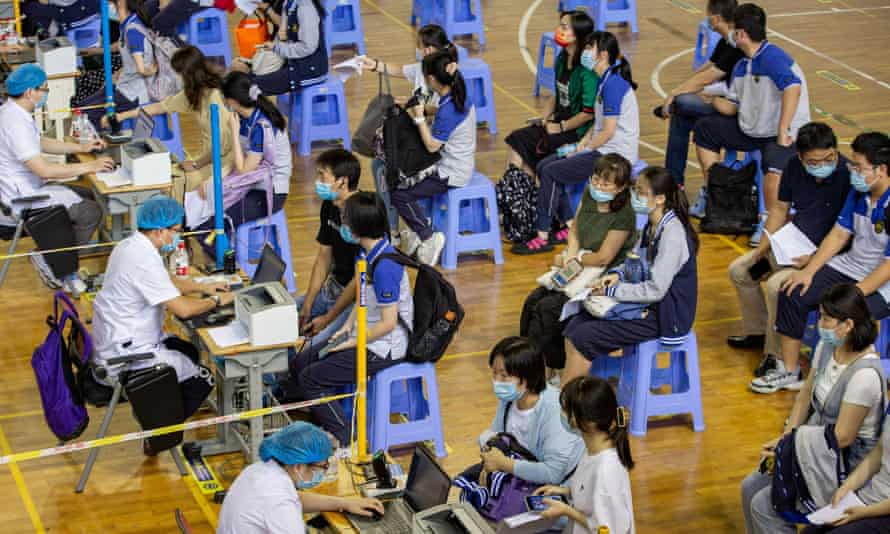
(831, 514)
(790, 243)
(230, 335)
(118, 178)
(347, 68)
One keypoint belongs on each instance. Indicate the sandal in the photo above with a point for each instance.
(560, 237)
(534, 246)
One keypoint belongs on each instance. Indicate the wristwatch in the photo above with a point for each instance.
(216, 300)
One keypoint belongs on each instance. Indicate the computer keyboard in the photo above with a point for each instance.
(392, 522)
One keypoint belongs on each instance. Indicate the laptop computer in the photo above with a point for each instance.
(427, 486)
(270, 267)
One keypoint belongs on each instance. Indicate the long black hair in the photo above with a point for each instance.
(436, 65)
(846, 301)
(138, 7)
(588, 401)
(197, 74)
(582, 27)
(237, 85)
(607, 42)
(662, 183)
(434, 36)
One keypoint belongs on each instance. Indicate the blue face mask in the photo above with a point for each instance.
(730, 39)
(346, 234)
(821, 171)
(829, 337)
(325, 191)
(599, 195)
(564, 421)
(639, 204)
(587, 59)
(506, 391)
(317, 478)
(857, 180)
(168, 248)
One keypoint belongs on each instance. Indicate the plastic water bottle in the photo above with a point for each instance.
(565, 150)
(181, 261)
(76, 123)
(634, 270)
(88, 132)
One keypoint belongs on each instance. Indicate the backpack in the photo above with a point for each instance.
(517, 197)
(732, 206)
(437, 313)
(166, 82)
(399, 145)
(55, 362)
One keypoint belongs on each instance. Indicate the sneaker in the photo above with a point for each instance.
(754, 240)
(698, 209)
(409, 241)
(74, 286)
(429, 251)
(561, 237)
(776, 379)
(766, 365)
(533, 246)
(44, 271)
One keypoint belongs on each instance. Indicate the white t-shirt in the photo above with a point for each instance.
(262, 500)
(616, 99)
(456, 130)
(864, 389)
(601, 491)
(518, 423)
(414, 73)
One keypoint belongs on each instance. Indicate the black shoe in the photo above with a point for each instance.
(767, 364)
(659, 112)
(746, 342)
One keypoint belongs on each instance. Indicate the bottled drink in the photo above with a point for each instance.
(181, 261)
(75, 126)
(565, 150)
(634, 270)
(87, 130)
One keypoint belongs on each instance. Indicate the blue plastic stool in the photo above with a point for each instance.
(85, 33)
(462, 53)
(640, 373)
(571, 5)
(168, 132)
(705, 44)
(546, 71)
(480, 92)
(457, 17)
(252, 235)
(343, 25)
(317, 113)
(428, 424)
(605, 367)
(615, 11)
(422, 12)
(576, 191)
(484, 236)
(208, 30)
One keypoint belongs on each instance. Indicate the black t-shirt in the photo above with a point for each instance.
(343, 254)
(725, 57)
(817, 204)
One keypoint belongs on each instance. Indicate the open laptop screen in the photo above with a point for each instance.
(427, 483)
(271, 267)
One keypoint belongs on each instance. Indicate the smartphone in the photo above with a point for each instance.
(567, 273)
(760, 269)
(333, 342)
(535, 121)
(538, 503)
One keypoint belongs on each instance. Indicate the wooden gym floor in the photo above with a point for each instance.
(683, 482)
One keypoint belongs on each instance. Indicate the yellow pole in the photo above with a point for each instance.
(361, 364)
(17, 9)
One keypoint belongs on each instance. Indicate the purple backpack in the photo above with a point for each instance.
(65, 350)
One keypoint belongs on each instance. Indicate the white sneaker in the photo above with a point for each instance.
(429, 251)
(776, 379)
(74, 286)
(44, 271)
(409, 242)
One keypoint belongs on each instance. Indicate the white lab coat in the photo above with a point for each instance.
(262, 500)
(20, 142)
(128, 313)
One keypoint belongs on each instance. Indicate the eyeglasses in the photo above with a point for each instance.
(827, 160)
(853, 167)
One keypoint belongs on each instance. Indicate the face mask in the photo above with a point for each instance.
(560, 39)
(317, 478)
(418, 54)
(857, 180)
(346, 234)
(325, 191)
(168, 248)
(564, 421)
(829, 337)
(506, 391)
(600, 196)
(730, 39)
(42, 102)
(587, 60)
(639, 204)
(821, 171)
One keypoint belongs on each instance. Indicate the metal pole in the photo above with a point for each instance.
(106, 57)
(17, 9)
(361, 364)
(222, 241)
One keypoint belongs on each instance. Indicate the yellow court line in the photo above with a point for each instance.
(16, 415)
(738, 248)
(20, 484)
(201, 501)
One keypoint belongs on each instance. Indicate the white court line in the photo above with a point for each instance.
(832, 11)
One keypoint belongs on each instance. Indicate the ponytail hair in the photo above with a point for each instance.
(437, 65)
(590, 404)
(607, 42)
(662, 183)
(238, 87)
(434, 36)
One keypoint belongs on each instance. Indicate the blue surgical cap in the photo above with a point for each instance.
(27, 76)
(297, 443)
(159, 212)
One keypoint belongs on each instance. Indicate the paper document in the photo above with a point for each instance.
(520, 519)
(230, 335)
(789, 243)
(575, 305)
(346, 69)
(118, 178)
(830, 514)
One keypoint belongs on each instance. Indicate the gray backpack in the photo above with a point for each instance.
(166, 82)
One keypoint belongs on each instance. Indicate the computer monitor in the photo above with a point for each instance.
(145, 125)
(427, 483)
(270, 268)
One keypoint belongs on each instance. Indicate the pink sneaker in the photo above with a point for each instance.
(534, 246)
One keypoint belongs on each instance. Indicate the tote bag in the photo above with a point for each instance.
(372, 120)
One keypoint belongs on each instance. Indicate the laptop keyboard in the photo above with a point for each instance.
(392, 522)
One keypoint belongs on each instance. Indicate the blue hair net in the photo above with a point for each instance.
(27, 76)
(297, 443)
(159, 212)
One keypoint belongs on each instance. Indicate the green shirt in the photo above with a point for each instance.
(582, 87)
(592, 226)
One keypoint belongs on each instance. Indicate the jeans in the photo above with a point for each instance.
(757, 507)
(685, 111)
(378, 169)
(555, 174)
(324, 302)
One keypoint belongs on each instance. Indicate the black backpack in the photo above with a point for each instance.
(517, 197)
(437, 313)
(732, 206)
(403, 150)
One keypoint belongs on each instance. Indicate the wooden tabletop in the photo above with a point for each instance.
(105, 189)
(235, 350)
(343, 487)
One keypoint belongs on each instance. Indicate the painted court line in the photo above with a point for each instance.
(832, 11)
(22, 488)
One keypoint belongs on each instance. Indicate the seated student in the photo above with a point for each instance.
(529, 411)
(129, 310)
(815, 185)
(844, 391)
(27, 172)
(327, 303)
(766, 105)
(300, 43)
(669, 245)
(616, 130)
(453, 135)
(65, 14)
(271, 496)
(866, 263)
(168, 15)
(601, 236)
(599, 490)
(691, 100)
(390, 313)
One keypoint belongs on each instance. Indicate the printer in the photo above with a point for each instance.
(57, 56)
(451, 518)
(268, 313)
(146, 162)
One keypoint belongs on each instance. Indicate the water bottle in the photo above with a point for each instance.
(565, 150)
(181, 261)
(75, 126)
(634, 270)
(88, 132)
